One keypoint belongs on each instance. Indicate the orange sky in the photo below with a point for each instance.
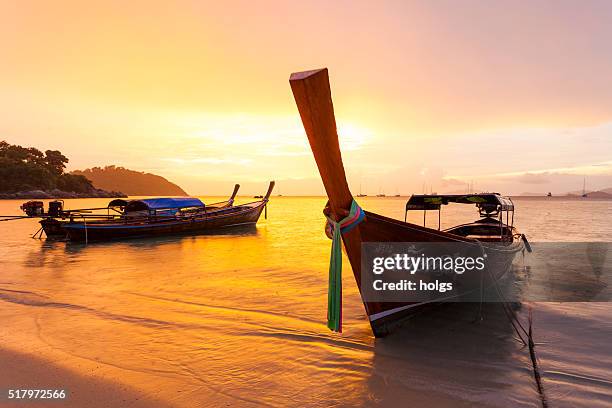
(516, 98)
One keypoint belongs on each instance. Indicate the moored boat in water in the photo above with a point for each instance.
(496, 237)
(56, 218)
(148, 217)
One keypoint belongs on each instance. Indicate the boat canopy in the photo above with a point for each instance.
(118, 202)
(481, 200)
(163, 203)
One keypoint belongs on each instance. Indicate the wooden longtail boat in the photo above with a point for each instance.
(54, 220)
(161, 216)
(312, 95)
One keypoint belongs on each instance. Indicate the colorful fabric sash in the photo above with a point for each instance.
(334, 293)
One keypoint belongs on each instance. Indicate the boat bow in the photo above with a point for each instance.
(312, 93)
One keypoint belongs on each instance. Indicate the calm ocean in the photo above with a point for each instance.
(238, 318)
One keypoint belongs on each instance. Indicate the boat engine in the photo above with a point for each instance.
(55, 208)
(33, 208)
(488, 209)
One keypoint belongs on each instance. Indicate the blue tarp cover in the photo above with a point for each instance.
(163, 203)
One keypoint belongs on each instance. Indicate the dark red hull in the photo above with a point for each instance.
(53, 228)
(229, 217)
(384, 316)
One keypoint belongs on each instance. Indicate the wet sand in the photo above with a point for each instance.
(88, 388)
(91, 388)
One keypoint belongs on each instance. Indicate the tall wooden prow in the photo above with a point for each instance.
(312, 94)
(269, 192)
(313, 98)
(233, 196)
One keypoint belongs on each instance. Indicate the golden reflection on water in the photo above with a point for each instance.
(239, 317)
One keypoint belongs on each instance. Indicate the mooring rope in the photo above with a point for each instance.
(528, 340)
(334, 292)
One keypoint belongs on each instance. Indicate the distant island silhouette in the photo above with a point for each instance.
(605, 193)
(26, 172)
(130, 182)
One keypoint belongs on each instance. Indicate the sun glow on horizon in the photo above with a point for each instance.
(436, 86)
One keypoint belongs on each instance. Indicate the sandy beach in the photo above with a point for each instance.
(91, 387)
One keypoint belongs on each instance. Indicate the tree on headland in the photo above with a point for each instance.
(55, 161)
(27, 168)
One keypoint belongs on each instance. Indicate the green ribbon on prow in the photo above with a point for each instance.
(334, 292)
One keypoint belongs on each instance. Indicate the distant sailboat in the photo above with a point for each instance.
(584, 193)
(360, 193)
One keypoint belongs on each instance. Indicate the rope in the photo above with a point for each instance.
(36, 233)
(528, 339)
(334, 293)
(516, 324)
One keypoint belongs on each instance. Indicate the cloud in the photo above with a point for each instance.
(448, 182)
(210, 160)
(532, 178)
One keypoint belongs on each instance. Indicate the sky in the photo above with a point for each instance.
(512, 97)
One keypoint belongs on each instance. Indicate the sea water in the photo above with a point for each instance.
(238, 317)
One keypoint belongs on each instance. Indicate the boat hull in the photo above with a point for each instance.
(53, 228)
(225, 218)
(385, 316)
(389, 316)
